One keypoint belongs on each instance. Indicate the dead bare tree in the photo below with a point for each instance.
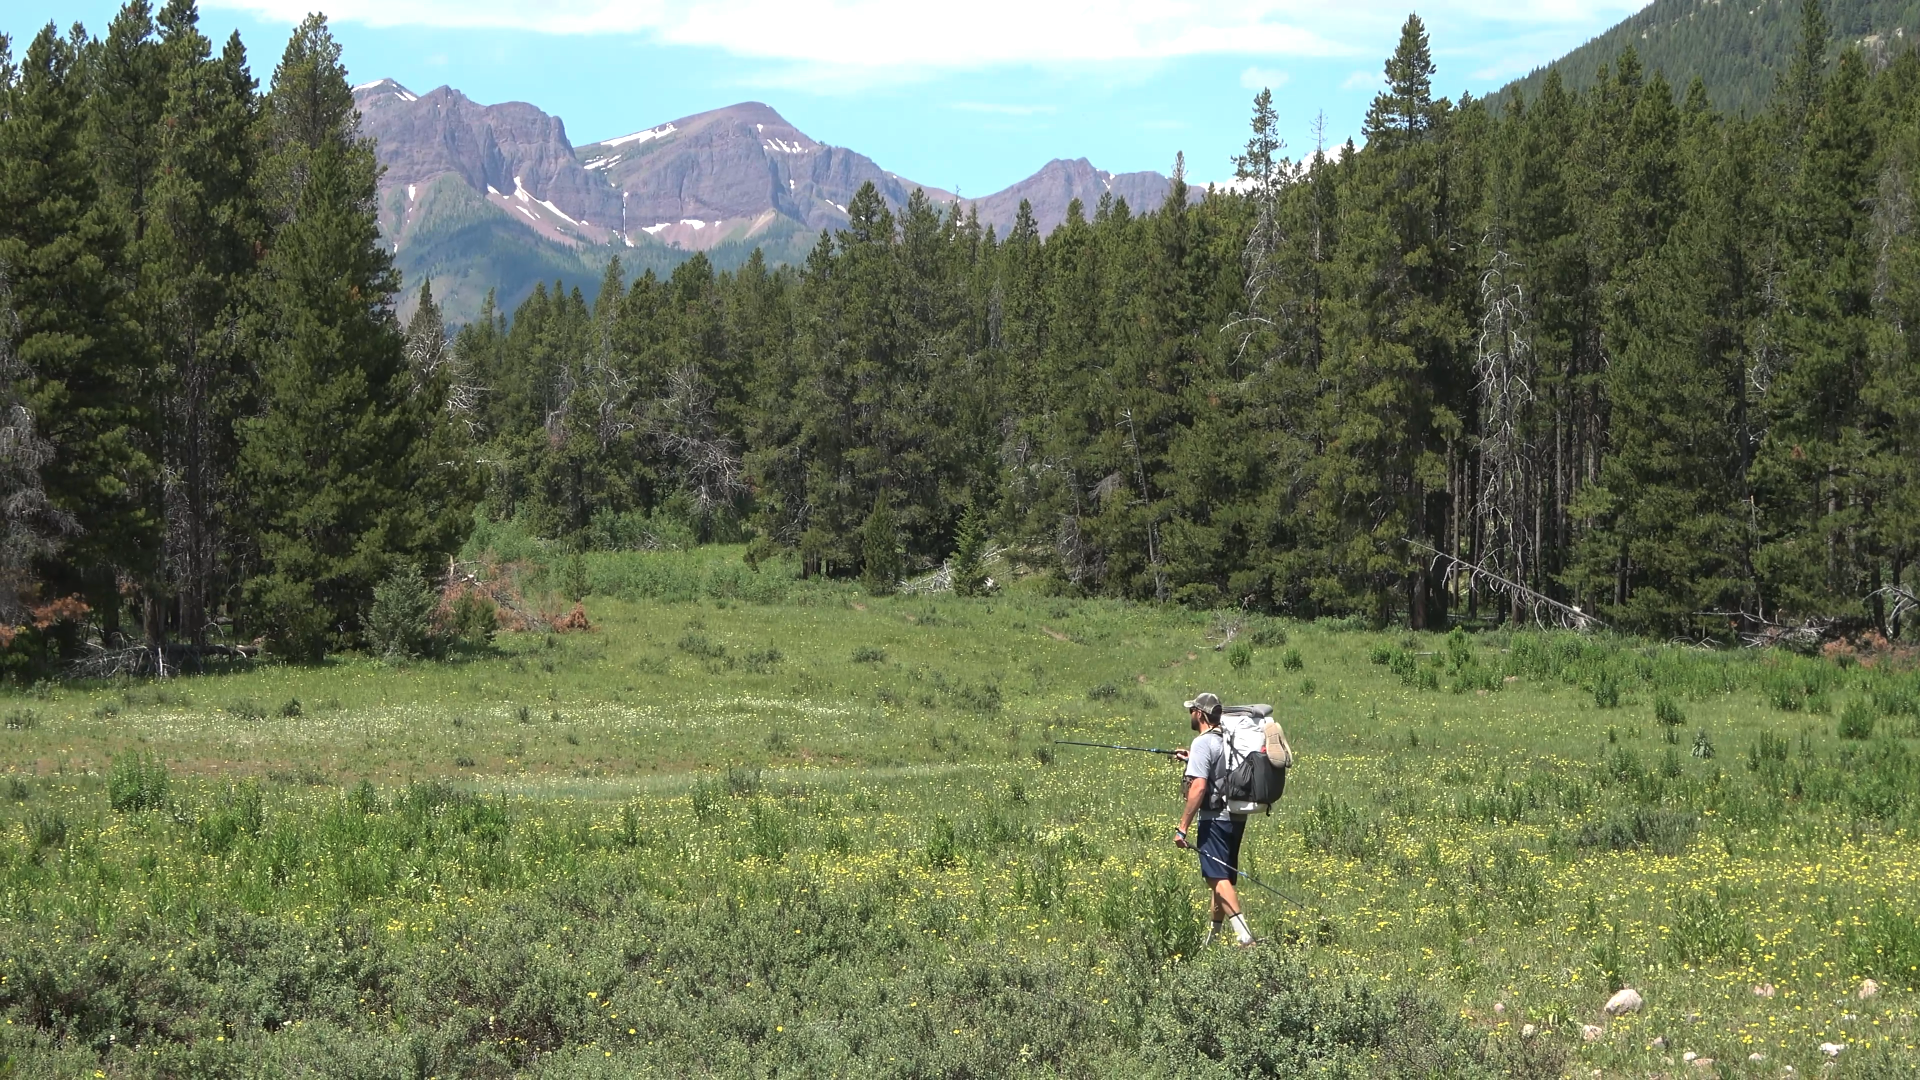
(1543, 609)
(1263, 174)
(1503, 361)
(1146, 500)
(30, 526)
(686, 425)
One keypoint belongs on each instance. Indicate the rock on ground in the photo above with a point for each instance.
(1626, 1001)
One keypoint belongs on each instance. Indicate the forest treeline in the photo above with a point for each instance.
(1633, 354)
(1613, 348)
(209, 415)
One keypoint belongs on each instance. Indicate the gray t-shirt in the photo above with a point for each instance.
(1206, 756)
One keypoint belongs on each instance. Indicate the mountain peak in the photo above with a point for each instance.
(380, 88)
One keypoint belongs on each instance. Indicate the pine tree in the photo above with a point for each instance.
(199, 252)
(881, 565)
(332, 464)
(75, 338)
(1394, 340)
(968, 566)
(1806, 472)
(1670, 536)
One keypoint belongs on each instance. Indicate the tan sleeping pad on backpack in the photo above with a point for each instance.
(1279, 751)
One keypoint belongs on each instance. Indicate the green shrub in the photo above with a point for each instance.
(239, 812)
(1106, 692)
(1606, 689)
(968, 565)
(1667, 712)
(869, 654)
(1292, 661)
(764, 661)
(941, 844)
(882, 563)
(1702, 745)
(1150, 917)
(1705, 928)
(1886, 946)
(22, 720)
(1334, 828)
(137, 781)
(1856, 720)
(575, 584)
(1268, 634)
(1767, 749)
(47, 831)
(289, 617)
(1280, 1020)
(1240, 654)
(400, 622)
(474, 619)
(1667, 832)
(982, 698)
(696, 643)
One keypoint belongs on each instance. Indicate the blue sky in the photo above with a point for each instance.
(969, 97)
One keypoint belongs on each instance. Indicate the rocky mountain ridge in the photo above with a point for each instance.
(495, 197)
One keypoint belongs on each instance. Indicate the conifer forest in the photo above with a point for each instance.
(1611, 355)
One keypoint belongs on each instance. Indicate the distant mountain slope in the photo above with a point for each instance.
(1059, 182)
(1737, 47)
(731, 173)
(495, 197)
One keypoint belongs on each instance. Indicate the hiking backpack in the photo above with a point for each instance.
(1253, 775)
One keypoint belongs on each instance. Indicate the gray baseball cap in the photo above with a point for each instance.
(1206, 703)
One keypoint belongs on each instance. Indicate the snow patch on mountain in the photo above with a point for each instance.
(639, 137)
(387, 86)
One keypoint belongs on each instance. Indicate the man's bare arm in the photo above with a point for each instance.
(1196, 793)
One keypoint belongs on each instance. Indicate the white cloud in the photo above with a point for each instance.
(1259, 78)
(883, 33)
(1360, 80)
(837, 46)
(1001, 110)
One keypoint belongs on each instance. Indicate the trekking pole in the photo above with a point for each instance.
(1242, 873)
(1115, 746)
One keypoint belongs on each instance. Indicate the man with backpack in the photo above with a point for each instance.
(1216, 830)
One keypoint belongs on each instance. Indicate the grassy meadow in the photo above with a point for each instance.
(755, 826)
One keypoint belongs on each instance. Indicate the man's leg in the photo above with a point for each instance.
(1226, 900)
(1226, 905)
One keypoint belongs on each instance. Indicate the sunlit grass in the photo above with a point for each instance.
(1514, 848)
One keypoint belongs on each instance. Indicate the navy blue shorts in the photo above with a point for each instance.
(1218, 843)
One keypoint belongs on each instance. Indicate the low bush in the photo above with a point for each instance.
(1665, 832)
(136, 782)
(1280, 1020)
(1856, 720)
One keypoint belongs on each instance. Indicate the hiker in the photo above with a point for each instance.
(1216, 833)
